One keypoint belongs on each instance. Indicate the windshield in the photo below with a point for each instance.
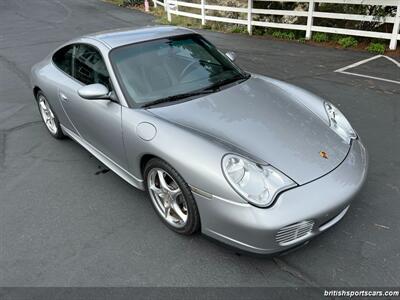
(171, 67)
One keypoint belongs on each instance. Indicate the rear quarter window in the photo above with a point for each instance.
(63, 59)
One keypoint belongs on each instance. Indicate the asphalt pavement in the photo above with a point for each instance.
(64, 223)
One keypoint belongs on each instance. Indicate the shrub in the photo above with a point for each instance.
(377, 48)
(162, 20)
(290, 35)
(284, 35)
(132, 2)
(269, 31)
(277, 34)
(258, 31)
(183, 21)
(348, 42)
(239, 29)
(320, 37)
(302, 40)
(335, 37)
(218, 26)
(118, 2)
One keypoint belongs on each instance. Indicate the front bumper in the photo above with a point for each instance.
(323, 202)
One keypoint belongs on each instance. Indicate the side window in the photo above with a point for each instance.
(63, 59)
(89, 67)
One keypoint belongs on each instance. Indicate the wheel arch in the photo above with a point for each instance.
(145, 159)
(36, 90)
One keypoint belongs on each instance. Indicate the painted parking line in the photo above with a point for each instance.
(343, 70)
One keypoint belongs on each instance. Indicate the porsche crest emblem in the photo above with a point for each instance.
(323, 154)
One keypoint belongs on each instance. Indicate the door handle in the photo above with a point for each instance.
(63, 97)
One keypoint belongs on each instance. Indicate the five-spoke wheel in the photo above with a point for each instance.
(49, 117)
(168, 197)
(171, 197)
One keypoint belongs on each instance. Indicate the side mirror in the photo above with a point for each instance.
(231, 55)
(94, 91)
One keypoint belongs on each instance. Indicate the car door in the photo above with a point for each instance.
(98, 122)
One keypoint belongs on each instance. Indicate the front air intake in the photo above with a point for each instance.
(293, 233)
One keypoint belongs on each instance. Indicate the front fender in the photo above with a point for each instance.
(195, 156)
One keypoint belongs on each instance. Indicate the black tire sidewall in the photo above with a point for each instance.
(193, 222)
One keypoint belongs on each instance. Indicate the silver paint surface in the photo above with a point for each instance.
(267, 120)
(146, 131)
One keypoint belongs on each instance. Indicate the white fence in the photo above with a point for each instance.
(172, 7)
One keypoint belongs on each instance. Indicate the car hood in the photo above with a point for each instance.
(267, 122)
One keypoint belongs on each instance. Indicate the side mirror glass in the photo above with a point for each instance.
(231, 55)
(94, 91)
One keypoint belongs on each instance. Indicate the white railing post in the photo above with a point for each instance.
(168, 10)
(393, 40)
(249, 16)
(165, 5)
(155, 3)
(311, 6)
(203, 12)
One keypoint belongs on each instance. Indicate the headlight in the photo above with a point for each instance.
(257, 184)
(339, 123)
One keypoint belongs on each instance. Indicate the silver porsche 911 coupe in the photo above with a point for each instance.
(248, 160)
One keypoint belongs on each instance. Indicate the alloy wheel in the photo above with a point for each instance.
(167, 197)
(47, 115)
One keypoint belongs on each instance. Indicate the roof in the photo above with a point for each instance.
(120, 37)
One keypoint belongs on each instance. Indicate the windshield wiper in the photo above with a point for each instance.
(208, 90)
(238, 78)
(179, 97)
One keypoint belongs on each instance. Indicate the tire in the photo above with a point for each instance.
(53, 126)
(184, 201)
